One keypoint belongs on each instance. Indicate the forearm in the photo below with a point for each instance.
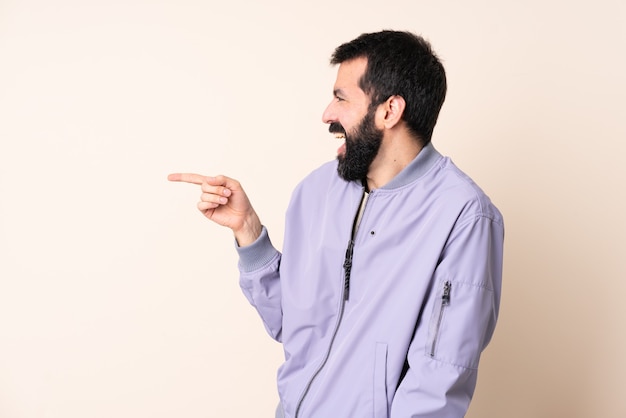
(432, 389)
(260, 281)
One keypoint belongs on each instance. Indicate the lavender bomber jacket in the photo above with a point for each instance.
(395, 327)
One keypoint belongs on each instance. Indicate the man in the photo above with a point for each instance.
(388, 286)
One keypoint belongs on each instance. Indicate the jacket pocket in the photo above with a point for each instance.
(462, 317)
(441, 304)
(381, 407)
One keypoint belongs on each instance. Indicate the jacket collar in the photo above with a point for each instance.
(424, 161)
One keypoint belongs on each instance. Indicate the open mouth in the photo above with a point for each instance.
(338, 132)
(341, 151)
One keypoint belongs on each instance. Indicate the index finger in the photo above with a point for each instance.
(187, 178)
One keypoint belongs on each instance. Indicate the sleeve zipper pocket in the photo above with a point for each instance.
(445, 301)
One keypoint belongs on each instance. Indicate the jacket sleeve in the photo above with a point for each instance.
(260, 281)
(456, 323)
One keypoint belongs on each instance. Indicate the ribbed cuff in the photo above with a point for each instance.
(256, 255)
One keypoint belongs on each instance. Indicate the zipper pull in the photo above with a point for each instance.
(347, 267)
(445, 298)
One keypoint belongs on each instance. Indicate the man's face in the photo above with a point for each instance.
(352, 120)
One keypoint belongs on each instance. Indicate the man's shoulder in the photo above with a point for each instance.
(322, 176)
(460, 186)
(321, 185)
(327, 170)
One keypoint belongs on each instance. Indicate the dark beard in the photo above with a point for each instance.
(361, 148)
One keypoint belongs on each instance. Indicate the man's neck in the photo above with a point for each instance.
(392, 158)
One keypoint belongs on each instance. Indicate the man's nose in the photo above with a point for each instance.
(329, 115)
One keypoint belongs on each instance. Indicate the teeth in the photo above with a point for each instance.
(339, 135)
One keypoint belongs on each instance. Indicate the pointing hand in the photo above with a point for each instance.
(224, 201)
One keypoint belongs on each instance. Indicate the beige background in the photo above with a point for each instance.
(118, 299)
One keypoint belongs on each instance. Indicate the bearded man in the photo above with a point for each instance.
(388, 285)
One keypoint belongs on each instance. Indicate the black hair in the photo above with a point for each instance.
(402, 64)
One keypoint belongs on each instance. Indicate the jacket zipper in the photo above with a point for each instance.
(347, 264)
(321, 366)
(445, 301)
(347, 267)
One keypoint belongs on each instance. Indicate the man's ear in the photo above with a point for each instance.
(391, 111)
